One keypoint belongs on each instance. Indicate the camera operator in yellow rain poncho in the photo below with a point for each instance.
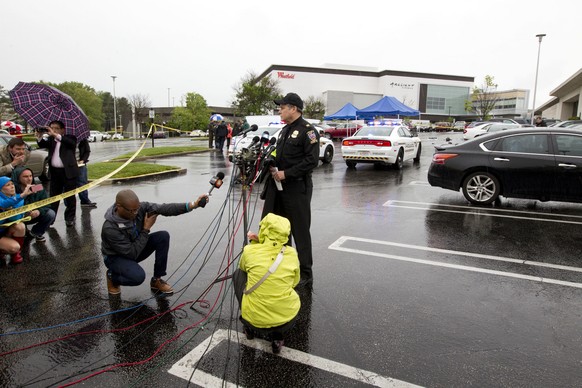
(265, 280)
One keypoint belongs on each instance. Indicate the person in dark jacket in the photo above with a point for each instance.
(221, 133)
(539, 122)
(62, 166)
(297, 154)
(82, 179)
(42, 217)
(126, 240)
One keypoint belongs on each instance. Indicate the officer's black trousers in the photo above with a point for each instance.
(294, 203)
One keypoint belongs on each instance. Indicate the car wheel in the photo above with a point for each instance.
(399, 160)
(327, 135)
(417, 157)
(351, 164)
(481, 188)
(328, 154)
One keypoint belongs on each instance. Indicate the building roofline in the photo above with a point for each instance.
(362, 73)
(568, 85)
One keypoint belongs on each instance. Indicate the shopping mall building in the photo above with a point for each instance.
(436, 96)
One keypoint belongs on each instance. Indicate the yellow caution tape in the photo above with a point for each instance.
(57, 198)
(23, 219)
(170, 128)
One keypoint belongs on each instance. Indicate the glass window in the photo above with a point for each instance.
(527, 143)
(569, 145)
(435, 103)
(375, 131)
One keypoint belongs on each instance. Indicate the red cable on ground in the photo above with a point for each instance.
(97, 331)
(135, 363)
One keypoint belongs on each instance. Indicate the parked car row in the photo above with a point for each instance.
(98, 136)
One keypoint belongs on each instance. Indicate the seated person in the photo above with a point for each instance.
(265, 291)
(43, 217)
(11, 232)
(14, 154)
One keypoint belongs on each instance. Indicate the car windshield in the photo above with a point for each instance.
(259, 132)
(375, 131)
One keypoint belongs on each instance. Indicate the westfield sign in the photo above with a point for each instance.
(281, 74)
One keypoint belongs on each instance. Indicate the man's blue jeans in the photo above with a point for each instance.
(127, 272)
(42, 222)
(82, 180)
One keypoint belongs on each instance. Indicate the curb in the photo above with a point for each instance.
(161, 175)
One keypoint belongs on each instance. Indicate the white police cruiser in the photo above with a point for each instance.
(238, 143)
(387, 142)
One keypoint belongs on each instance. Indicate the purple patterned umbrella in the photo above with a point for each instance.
(40, 104)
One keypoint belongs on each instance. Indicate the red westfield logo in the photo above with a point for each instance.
(281, 74)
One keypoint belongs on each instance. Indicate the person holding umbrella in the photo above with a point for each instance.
(62, 166)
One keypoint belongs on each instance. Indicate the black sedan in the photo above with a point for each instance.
(535, 163)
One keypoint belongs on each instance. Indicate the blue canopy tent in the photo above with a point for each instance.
(348, 112)
(386, 106)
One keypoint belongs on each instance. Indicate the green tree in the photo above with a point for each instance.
(194, 115)
(483, 99)
(314, 108)
(87, 98)
(6, 111)
(254, 96)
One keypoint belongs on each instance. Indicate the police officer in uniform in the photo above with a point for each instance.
(296, 155)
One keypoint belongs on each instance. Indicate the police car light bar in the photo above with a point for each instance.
(391, 122)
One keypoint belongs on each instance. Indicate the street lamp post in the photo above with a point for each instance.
(152, 116)
(168, 97)
(540, 37)
(114, 105)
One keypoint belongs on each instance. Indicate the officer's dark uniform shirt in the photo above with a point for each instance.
(297, 149)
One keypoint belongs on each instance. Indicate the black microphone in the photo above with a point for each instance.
(215, 181)
(265, 137)
(271, 147)
(253, 127)
(255, 141)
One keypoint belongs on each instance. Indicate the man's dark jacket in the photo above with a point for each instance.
(67, 153)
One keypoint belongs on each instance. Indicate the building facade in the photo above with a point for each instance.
(565, 101)
(434, 95)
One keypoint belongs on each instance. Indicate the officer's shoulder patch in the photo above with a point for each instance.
(312, 137)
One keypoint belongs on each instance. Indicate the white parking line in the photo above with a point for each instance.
(488, 212)
(337, 245)
(186, 365)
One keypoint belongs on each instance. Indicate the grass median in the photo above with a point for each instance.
(161, 151)
(98, 170)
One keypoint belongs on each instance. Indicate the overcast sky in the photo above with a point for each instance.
(207, 47)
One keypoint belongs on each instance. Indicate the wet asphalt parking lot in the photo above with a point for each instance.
(413, 286)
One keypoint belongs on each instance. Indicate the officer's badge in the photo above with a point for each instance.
(312, 137)
(295, 134)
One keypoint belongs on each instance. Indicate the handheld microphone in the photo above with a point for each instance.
(265, 137)
(215, 181)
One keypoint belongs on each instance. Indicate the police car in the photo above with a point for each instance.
(382, 143)
(326, 147)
